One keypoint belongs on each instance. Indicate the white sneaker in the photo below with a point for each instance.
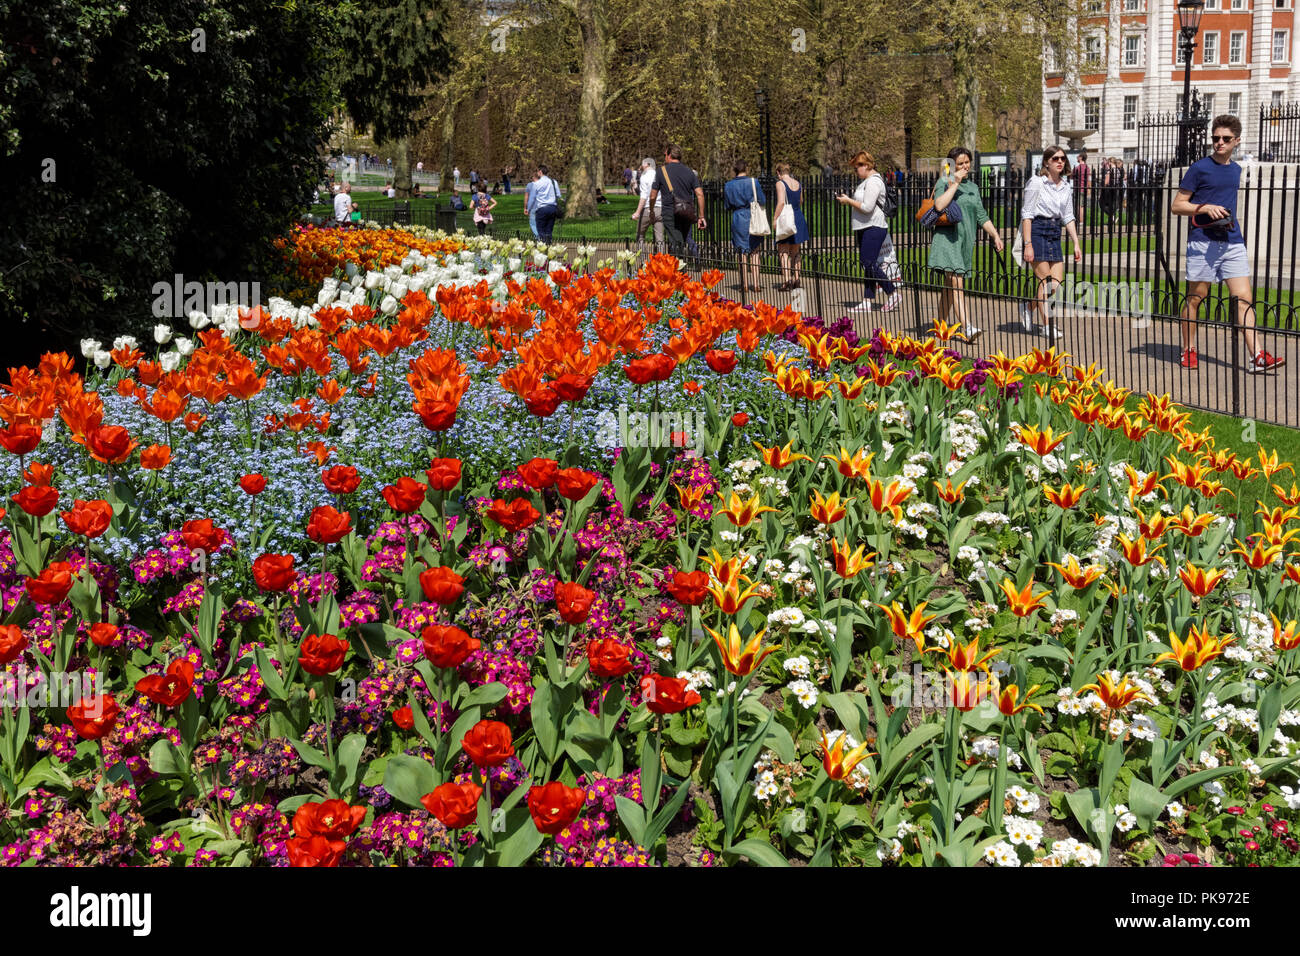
(863, 306)
(1050, 332)
(1027, 317)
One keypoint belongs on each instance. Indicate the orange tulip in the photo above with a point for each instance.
(1259, 556)
(854, 465)
(1141, 487)
(730, 599)
(850, 565)
(1075, 576)
(1200, 581)
(779, 458)
(1291, 497)
(1116, 696)
(1067, 497)
(836, 762)
(1010, 694)
(1199, 649)
(908, 628)
(1039, 442)
(1190, 523)
(887, 498)
(966, 657)
(741, 661)
(948, 493)
(826, 510)
(1285, 638)
(1022, 602)
(1269, 464)
(742, 513)
(1135, 552)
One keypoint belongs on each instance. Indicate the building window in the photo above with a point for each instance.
(1237, 46)
(1092, 51)
(1277, 100)
(1234, 104)
(1050, 58)
(1133, 49)
(1207, 104)
(1210, 49)
(1132, 6)
(1281, 4)
(1056, 117)
(1211, 4)
(1130, 112)
(1093, 6)
(1130, 154)
(1180, 52)
(1281, 44)
(1239, 4)
(1092, 113)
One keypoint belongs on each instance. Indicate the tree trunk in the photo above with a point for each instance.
(447, 152)
(966, 85)
(585, 170)
(713, 86)
(402, 168)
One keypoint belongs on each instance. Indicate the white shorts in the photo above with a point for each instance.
(1212, 261)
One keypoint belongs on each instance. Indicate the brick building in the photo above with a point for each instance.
(1129, 63)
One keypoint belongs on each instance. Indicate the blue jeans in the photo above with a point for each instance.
(869, 242)
(546, 216)
(532, 222)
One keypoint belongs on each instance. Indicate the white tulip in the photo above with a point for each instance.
(388, 305)
(183, 345)
(169, 361)
(89, 347)
(161, 333)
(102, 358)
(125, 342)
(198, 320)
(374, 280)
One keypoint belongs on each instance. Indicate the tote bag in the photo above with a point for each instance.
(758, 225)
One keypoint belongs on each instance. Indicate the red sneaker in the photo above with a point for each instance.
(1263, 362)
(1189, 358)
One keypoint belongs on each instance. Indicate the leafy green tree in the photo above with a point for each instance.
(150, 138)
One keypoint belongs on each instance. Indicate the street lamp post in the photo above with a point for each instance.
(764, 128)
(1189, 24)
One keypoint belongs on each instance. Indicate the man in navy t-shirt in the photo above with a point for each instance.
(1216, 249)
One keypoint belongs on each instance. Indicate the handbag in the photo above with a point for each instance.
(683, 206)
(931, 218)
(758, 225)
(784, 224)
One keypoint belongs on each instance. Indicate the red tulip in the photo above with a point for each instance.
(274, 572)
(555, 806)
(155, 457)
(542, 402)
(722, 361)
(442, 585)
(111, 444)
(201, 535)
(437, 416)
(740, 419)
(515, 516)
(253, 484)
(331, 819)
(573, 601)
(640, 371)
(315, 851)
(689, 587)
(455, 805)
(539, 473)
(405, 496)
(341, 479)
(37, 501)
(574, 483)
(103, 634)
(488, 743)
(667, 695)
(443, 473)
(328, 525)
(89, 519)
(169, 689)
(52, 585)
(608, 658)
(322, 654)
(12, 642)
(20, 439)
(572, 387)
(93, 717)
(446, 645)
(404, 718)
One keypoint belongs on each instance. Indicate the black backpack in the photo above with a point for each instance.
(889, 202)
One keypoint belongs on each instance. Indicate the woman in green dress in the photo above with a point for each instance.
(952, 250)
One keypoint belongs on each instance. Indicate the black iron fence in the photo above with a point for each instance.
(1279, 133)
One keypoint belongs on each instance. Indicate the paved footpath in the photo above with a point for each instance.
(1141, 354)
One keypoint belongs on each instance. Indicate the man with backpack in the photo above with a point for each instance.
(683, 200)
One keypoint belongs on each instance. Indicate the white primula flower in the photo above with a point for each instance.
(798, 666)
(805, 691)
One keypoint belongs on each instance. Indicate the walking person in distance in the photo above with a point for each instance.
(739, 193)
(789, 195)
(1047, 210)
(871, 229)
(952, 250)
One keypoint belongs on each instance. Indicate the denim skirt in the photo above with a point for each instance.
(1046, 235)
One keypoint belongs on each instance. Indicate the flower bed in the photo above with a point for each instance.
(483, 559)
